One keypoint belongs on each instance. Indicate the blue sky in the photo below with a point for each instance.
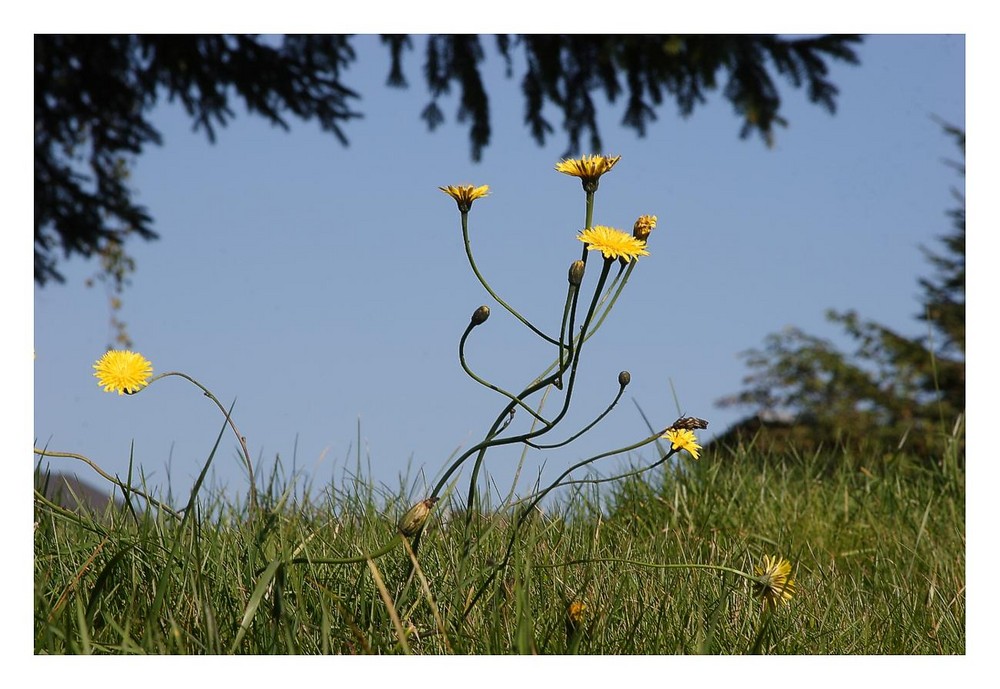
(318, 285)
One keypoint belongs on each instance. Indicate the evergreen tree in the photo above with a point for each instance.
(93, 95)
(893, 390)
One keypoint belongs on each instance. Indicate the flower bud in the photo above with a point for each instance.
(643, 226)
(411, 522)
(480, 315)
(624, 378)
(576, 273)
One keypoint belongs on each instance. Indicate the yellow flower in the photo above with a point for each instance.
(683, 439)
(588, 168)
(643, 226)
(774, 583)
(576, 615)
(612, 243)
(465, 195)
(123, 371)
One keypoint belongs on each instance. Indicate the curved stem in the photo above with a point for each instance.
(607, 309)
(526, 510)
(536, 385)
(482, 280)
(616, 477)
(232, 425)
(566, 348)
(555, 484)
(491, 386)
(575, 361)
(621, 390)
(112, 479)
(583, 337)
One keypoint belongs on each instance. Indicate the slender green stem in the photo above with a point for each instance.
(526, 510)
(539, 446)
(536, 385)
(607, 309)
(69, 515)
(123, 486)
(580, 338)
(482, 280)
(566, 400)
(524, 453)
(491, 386)
(590, 460)
(652, 565)
(616, 477)
(563, 345)
(232, 425)
(588, 222)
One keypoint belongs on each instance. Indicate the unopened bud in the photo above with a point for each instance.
(624, 378)
(576, 273)
(414, 519)
(480, 315)
(643, 226)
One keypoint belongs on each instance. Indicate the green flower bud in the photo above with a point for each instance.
(411, 522)
(576, 273)
(624, 378)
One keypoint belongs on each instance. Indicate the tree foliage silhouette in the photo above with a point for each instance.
(893, 390)
(93, 95)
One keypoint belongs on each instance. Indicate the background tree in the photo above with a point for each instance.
(892, 390)
(93, 95)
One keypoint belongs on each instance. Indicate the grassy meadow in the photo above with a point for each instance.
(876, 542)
(743, 548)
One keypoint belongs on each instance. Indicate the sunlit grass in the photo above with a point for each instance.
(878, 559)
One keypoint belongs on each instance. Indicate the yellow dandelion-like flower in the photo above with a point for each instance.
(774, 583)
(576, 615)
(643, 226)
(683, 439)
(465, 195)
(123, 371)
(588, 168)
(612, 243)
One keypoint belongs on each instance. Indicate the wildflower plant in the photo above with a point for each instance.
(583, 314)
(127, 373)
(617, 253)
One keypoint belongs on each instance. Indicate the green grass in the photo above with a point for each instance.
(877, 547)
